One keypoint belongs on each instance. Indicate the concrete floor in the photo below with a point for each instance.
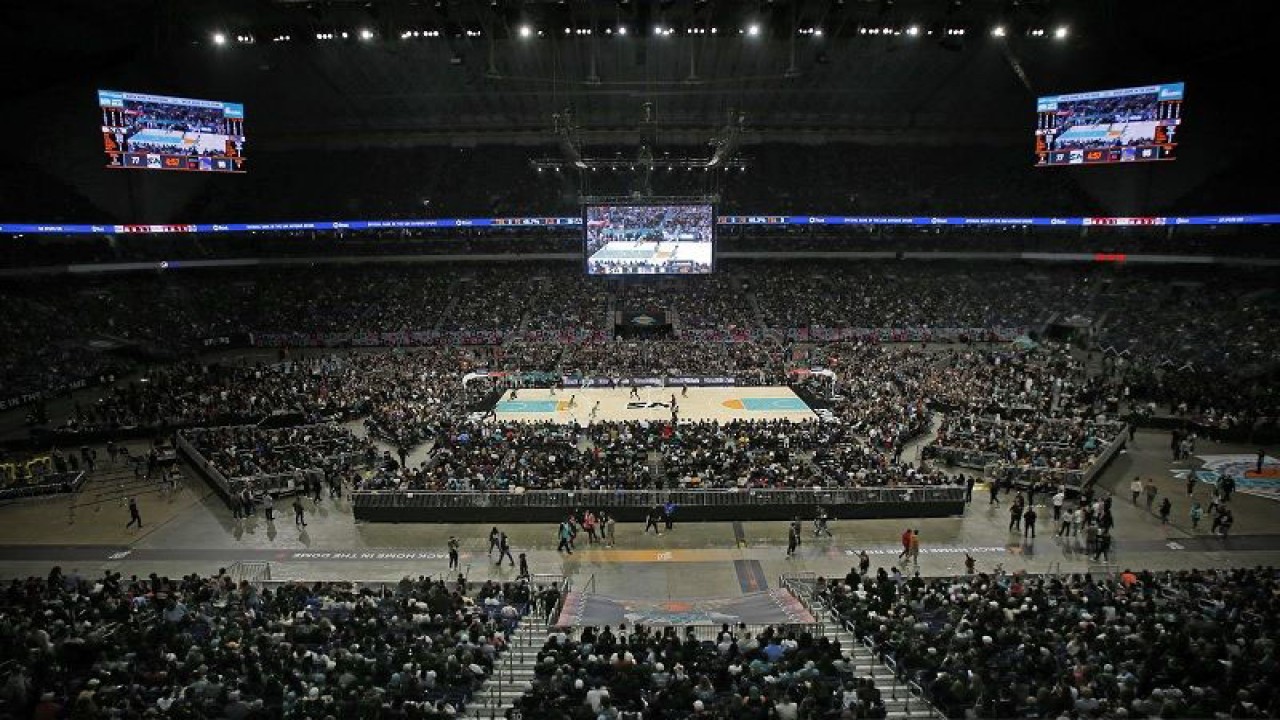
(192, 531)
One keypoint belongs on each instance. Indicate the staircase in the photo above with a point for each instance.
(902, 698)
(512, 670)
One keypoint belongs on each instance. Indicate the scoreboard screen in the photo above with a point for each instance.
(649, 239)
(156, 132)
(1138, 124)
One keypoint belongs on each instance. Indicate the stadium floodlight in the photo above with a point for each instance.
(998, 31)
(1061, 32)
(817, 32)
(525, 31)
(344, 36)
(914, 30)
(366, 34)
(715, 30)
(622, 29)
(219, 39)
(753, 30)
(568, 30)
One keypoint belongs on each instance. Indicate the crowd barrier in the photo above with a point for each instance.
(47, 484)
(547, 506)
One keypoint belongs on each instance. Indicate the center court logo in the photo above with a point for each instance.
(644, 320)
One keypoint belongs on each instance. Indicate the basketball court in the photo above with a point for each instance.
(583, 405)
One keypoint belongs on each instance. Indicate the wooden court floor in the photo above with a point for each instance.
(585, 405)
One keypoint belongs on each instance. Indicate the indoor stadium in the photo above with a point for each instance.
(638, 360)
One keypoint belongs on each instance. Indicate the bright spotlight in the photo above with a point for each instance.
(998, 31)
(1061, 32)
(366, 34)
(219, 39)
(525, 31)
(914, 30)
(817, 32)
(753, 30)
(622, 29)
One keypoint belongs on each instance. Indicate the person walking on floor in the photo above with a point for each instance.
(669, 513)
(1103, 547)
(564, 539)
(453, 552)
(1135, 488)
(494, 535)
(524, 568)
(1197, 512)
(914, 555)
(504, 550)
(1165, 508)
(589, 524)
(1191, 484)
(864, 563)
(1015, 517)
(269, 507)
(1029, 523)
(134, 515)
(906, 544)
(792, 542)
(994, 488)
(299, 513)
(1064, 528)
(1059, 499)
(651, 520)
(1151, 493)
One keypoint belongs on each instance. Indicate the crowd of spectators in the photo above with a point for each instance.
(143, 647)
(302, 454)
(664, 673)
(1185, 643)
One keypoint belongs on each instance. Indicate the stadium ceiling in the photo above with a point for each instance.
(385, 71)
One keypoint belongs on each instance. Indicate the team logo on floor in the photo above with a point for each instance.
(1243, 469)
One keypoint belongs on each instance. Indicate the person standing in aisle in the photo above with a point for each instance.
(914, 555)
(1029, 523)
(1059, 499)
(864, 563)
(493, 540)
(792, 541)
(608, 525)
(1166, 507)
(1135, 488)
(669, 512)
(299, 512)
(269, 507)
(524, 568)
(453, 552)
(504, 550)
(906, 544)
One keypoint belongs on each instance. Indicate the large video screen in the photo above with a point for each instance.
(1138, 124)
(649, 239)
(154, 132)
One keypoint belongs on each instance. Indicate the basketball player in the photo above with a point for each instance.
(595, 409)
(635, 391)
(573, 401)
